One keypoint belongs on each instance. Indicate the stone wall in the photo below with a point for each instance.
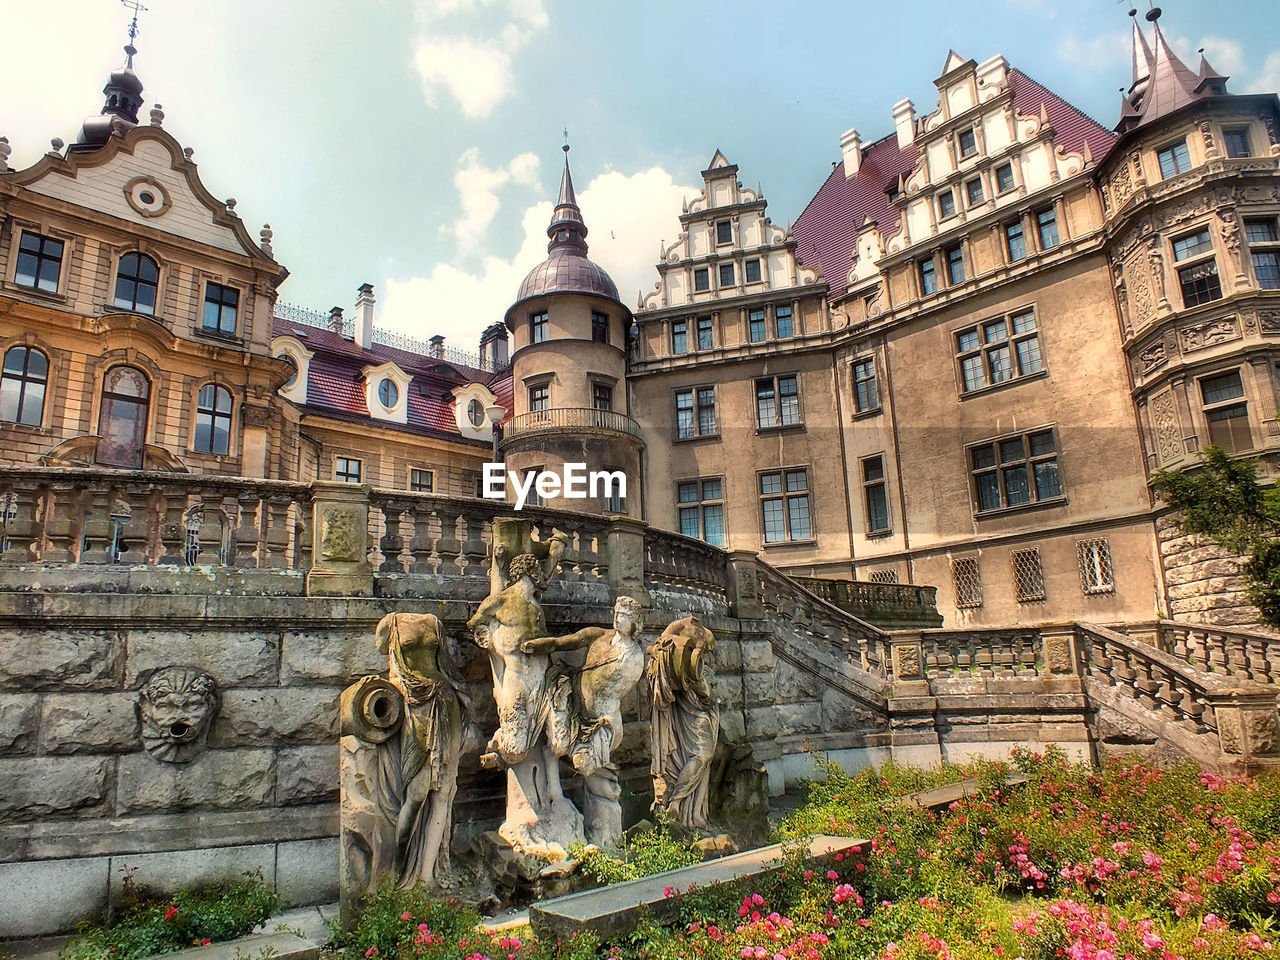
(1203, 582)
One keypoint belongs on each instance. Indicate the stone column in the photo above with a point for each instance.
(744, 585)
(626, 559)
(912, 730)
(340, 540)
(1061, 654)
(1248, 726)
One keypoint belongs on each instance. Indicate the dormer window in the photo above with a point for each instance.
(291, 349)
(387, 392)
(966, 143)
(724, 232)
(471, 403)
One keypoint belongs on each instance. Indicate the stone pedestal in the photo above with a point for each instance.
(340, 555)
(626, 559)
(1248, 726)
(743, 585)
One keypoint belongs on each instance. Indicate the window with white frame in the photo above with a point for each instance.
(1097, 573)
(784, 505)
(700, 504)
(999, 350)
(1015, 471)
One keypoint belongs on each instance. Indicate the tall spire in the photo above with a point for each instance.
(1141, 61)
(567, 230)
(123, 95)
(1162, 83)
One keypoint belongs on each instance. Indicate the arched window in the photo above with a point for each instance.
(137, 280)
(213, 420)
(22, 386)
(122, 426)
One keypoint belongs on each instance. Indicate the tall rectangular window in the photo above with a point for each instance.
(875, 494)
(1236, 142)
(1006, 348)
(726, 275)
(539, 398)
(865, 395)
(967, 580)
(1264, 252)
(39, 262)
(1004, 177)
(601, 396)
(1093, 557)
(706, 338)
(784, 505)
(782, 319)
(701, 279)
(347, 469)
(756, 331)
(946, 204)
(955, 265)
(724, 232)
(1047, 228)
(966, 143)
(600, 327)
(1174, 159)
(1028, 575)
(679, 336)
(1015, 471)
(221, 304)
(928, 277)
(538, 328)
(777, 402)
(1200, 283)
(1227, 411)
(973, 192)
(700, 504)
(696, 413)
(532, 499)
(422, 481)
(1016, 241)
(751, 270)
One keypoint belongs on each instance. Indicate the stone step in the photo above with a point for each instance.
(613, 910)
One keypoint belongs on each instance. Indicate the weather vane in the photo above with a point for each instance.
(137, 8)
(565, 148)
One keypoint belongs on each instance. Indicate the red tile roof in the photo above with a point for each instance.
(827, 230)
(335, 386)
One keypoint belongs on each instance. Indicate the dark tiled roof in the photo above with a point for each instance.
(335, 386)
(827, 230)
(565, 272)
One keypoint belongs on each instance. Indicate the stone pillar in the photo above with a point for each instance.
(626, 559)
(340, 540)
(254, 442)
(912, 731)
(1060, 650)
(744, 585)
(1248, 727)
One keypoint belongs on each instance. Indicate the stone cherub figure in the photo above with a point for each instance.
(401, 742)
(685, 721)
(588, 708)
(540, 820)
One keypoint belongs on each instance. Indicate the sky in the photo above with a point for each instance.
(415, 144)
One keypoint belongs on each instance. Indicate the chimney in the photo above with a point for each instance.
(364, 323)
(493, 346)
(904, 118)
(336, 322)
(851, 147)
(437, 346)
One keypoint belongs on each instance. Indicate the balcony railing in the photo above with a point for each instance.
(570, 418)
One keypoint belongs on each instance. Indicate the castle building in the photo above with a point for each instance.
(958, 368)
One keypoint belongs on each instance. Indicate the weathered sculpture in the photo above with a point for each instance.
(530, 739)
(176, 709)
(401, 741)
(590, 701)
(685, 721)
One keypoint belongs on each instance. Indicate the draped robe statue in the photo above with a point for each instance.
(684, 723)
(401, 741)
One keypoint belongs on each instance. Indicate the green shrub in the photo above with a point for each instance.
(652, 851)
(148, 923)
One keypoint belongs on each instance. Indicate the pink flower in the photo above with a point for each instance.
(668, 892)
(172, 912)
(405, 916)
(832, 875)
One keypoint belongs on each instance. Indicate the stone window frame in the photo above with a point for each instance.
(777, 321)
(927, 276)
(1096, 566)
(41, 259)
(705, 324)
(955, 206)
(725, 225)
(870, 373)
(966, 581)
(870, 484)
(1028, 575)
(160, 282)
(1171, 148)
(539, 327)
(25, 379)
(961, 152)
(786, 495)
(103, 400)
(596, 395)
(72, 243)
(1012, 341)
(1268, 246)
(414, 484)
(1021, 229)
(1238, 130)
(215, 415)
(680, 337)
(540, 393)
(757, 316)
(237, 328)
(1028, 462)
(696, 408)
(1197, 271)
(969, 186)
(776, 381)
(599, 327)
(342, 469)
(746, 271)
(701, 505)
(953, 257)
(1043, 225)
(1220, 406)
(1013, 177)
(721, 282)
(701, 279)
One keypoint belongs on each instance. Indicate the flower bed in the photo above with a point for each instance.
(1127, 861)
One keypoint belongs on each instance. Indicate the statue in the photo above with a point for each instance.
(589, 702)
(176, 709)
(685, 721)
(531, 738)
(401, 742)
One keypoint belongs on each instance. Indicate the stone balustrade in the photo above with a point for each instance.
(1246, 654)
(899, 605)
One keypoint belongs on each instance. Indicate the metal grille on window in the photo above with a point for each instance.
(1097, 574)
(884, 576)
(968, 581)
(1028, 575)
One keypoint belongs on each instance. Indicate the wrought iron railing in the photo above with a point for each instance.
(570, 418)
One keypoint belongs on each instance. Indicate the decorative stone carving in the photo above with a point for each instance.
(1270, 320)
(1164, 416)
(1122, 296)
(908, 662)
(1231, 238)
(1206, 131)
(590, 699)
(1157, 274)
(685, 721)
(1154, 357)
(1229, 733)
(1139, 290)
(533, 725)
(339, 539)
(176, 709)
(1121, 185)
(1206, 334)
(401, 741)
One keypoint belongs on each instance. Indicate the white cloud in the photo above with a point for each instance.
(1097, 52)
(1268, 81)
(627, 216)
(472, 62)
(1226, 56)
(477, 190)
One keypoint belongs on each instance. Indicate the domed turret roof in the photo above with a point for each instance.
(567, 269)
(124, 96)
